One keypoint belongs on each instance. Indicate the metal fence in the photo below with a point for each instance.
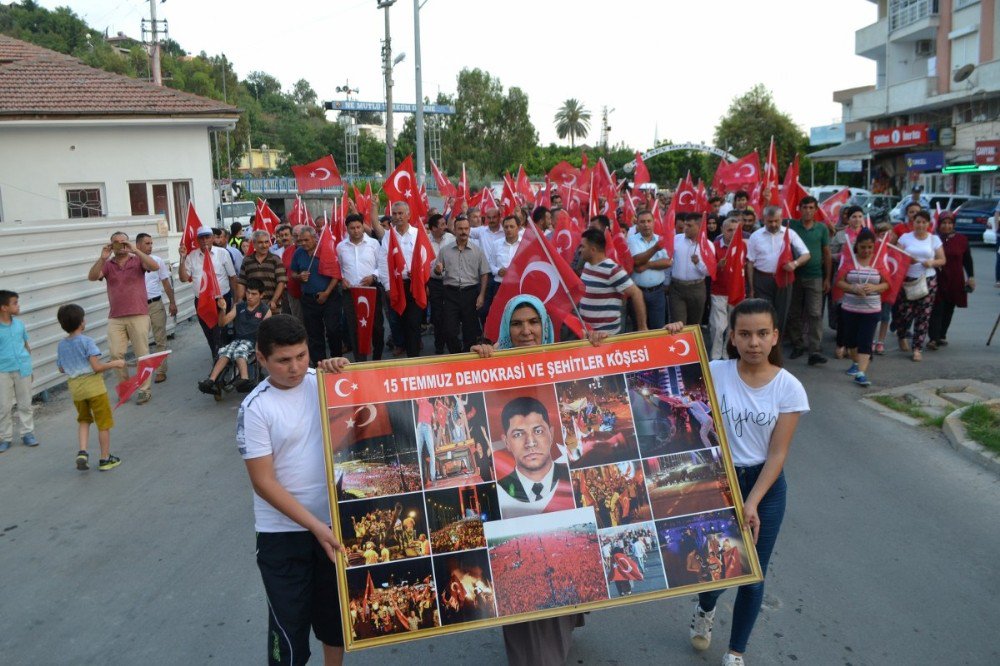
(905, 12)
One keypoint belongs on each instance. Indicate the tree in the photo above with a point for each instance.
(751, 121)
(303, 93)
(572, 120)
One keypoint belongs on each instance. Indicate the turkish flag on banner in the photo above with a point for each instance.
(707, 249)
(397, 264)
(401, 185)
(735, 268)
(326, 252)
(420, 266)
(782, 277)
(641, 176)
(190, 238)
(743, 173)
(892, 264)
(537, 269)
(829, 210)
(317, 175)
(208, 291)
(361, 422)
(524, 186)
(144, 369)
(445, 187)
(364, 314)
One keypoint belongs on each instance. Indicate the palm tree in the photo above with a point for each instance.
(572, 120)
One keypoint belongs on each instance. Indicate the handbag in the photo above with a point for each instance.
(916, 289)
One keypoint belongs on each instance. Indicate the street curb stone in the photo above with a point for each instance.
(954, 430)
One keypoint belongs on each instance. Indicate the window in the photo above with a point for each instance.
(167, 198)
(961, 4)
(182, 195)
(84, 201)
(138, 198)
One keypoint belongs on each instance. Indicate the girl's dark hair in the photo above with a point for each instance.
(864, 235)
(847, 211)
(922, 213)
(752, 306)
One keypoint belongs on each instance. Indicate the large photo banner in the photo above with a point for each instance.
(475, 492)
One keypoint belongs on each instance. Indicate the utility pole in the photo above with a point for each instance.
(387, 65)
(154, 44)
(421, 166)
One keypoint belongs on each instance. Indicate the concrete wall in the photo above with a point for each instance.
(41, 157)
(46, 263)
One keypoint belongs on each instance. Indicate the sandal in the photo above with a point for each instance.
(879, 348)
(917, 356)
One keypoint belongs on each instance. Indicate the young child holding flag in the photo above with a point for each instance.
(78, 356)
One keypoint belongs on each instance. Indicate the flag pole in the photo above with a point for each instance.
(318, 242)
(545, 249)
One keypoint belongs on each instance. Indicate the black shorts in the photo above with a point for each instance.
(300, 582)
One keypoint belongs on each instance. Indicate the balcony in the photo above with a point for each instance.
(910, 20)
(911, 95)
(869, 105)
(870, 41)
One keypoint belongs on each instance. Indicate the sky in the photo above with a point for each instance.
(668, 69)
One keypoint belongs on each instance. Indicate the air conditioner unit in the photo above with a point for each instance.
(925, 47)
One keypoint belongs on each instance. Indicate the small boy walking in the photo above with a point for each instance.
(79, 357)
(15, 373)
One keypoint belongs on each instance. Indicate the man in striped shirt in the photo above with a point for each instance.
(606, 285)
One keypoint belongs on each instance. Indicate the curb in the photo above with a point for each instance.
(954, 430)
(891, 413)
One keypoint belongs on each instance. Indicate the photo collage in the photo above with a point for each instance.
(468, 507)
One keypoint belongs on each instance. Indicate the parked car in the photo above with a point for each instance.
(875, 206)
(824, 192)
(990, 235)
(933, 199)
(971, 217)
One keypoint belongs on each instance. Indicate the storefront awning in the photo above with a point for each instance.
(851, 150)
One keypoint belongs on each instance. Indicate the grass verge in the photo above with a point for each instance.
(982, 424)
(911, 410)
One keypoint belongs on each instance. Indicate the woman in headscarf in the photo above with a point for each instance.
(955, 280)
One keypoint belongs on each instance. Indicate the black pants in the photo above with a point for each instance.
(437, 313)
(492, 287)
(214, 335)
(941, 319)
(460, 312)
(764, 286)
(411, 319)
(322, 322)
(378, 325)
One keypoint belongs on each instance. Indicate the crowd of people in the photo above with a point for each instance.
(464, 534)
(534, 572)
(625, 553)
(393, 609)
(357, 479)
(618, 497)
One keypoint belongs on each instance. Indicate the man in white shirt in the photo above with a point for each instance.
(687, 282)
(157, 284)
(406, 236)
(440, 238)
(763, 249)
(358, 255)
(484, 236)
(225, 273)
(649, 272)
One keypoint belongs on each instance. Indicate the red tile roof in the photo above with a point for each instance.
(36, 82)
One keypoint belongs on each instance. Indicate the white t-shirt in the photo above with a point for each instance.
(749, 414)
(154, 280)
(920, 250)
(286, 425)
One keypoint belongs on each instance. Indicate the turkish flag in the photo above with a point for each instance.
(360, 422)
(641, 176)
(317, 175)
(770, 180)
(420, 266)
(397, 264)
(524, 186)
(445, 186)
(791, 192)
(401, 185)
(265, 219)
(144, 369)
(847, 262)
(782, 277)
(364, 314)
(190, 238)
(666, 227)
(363, 202)
(326, 252)
(208, 291)
(566, 236)
(485, 200)
(508, 198)
(686, 197)
(544, 196)
(829, 210)
(735, 267)
(628, 209)
(707, 249)
(300, 214)
(743, 173)
(702, 198)
(892, 263)
(293, 286)
(537, 269)
(564, 173)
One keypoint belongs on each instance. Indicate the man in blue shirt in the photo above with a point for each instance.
(321, 300)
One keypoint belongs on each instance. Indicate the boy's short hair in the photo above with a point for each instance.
(6, 296)
(255, 284)
(141, 237)
(281, 330)
(70, 317)
(354, 217)
(595, 237)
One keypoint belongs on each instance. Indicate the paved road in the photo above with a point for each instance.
(887, 555)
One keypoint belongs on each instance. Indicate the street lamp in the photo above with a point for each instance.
(387, 64)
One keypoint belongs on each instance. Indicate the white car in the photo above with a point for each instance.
(990, 235)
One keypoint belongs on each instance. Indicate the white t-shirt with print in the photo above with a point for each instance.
(286, 425)
(749, 414)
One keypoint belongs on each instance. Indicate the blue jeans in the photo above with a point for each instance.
(425, 442)
(656, 307)
(749, 597)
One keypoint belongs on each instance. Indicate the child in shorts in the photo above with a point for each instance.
(247, 316)
(280, 437)
(15, 373)
(78, 356)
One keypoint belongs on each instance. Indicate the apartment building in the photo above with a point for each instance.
(934, 110)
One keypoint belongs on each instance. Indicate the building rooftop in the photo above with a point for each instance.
(39, 83)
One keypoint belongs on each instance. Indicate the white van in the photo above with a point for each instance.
(237, 211)
(824, 192)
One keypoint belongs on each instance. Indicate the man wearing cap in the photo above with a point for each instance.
(191, 269)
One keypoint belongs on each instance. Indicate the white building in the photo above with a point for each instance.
(936, 94)
(80, 142)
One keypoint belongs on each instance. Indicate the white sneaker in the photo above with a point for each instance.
(730, 659)
(701, 628)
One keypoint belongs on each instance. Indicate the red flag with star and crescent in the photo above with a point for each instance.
(742, 174)
(397, 264)
(641, 176)
(537, 269)
(445, 186)
(326, 254)
(144, 369)
(735, 268)
(208, 291)
(707, 249)
(300, 214)
(829, 210)
(364, 313)
(360, 422)
(566, 236)
(892, 264)
(190, 238)
(420, 266)
(524, 186)
(686, 197)
(317, 175)
(784, 278)
(401, 185)
(769, 182)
